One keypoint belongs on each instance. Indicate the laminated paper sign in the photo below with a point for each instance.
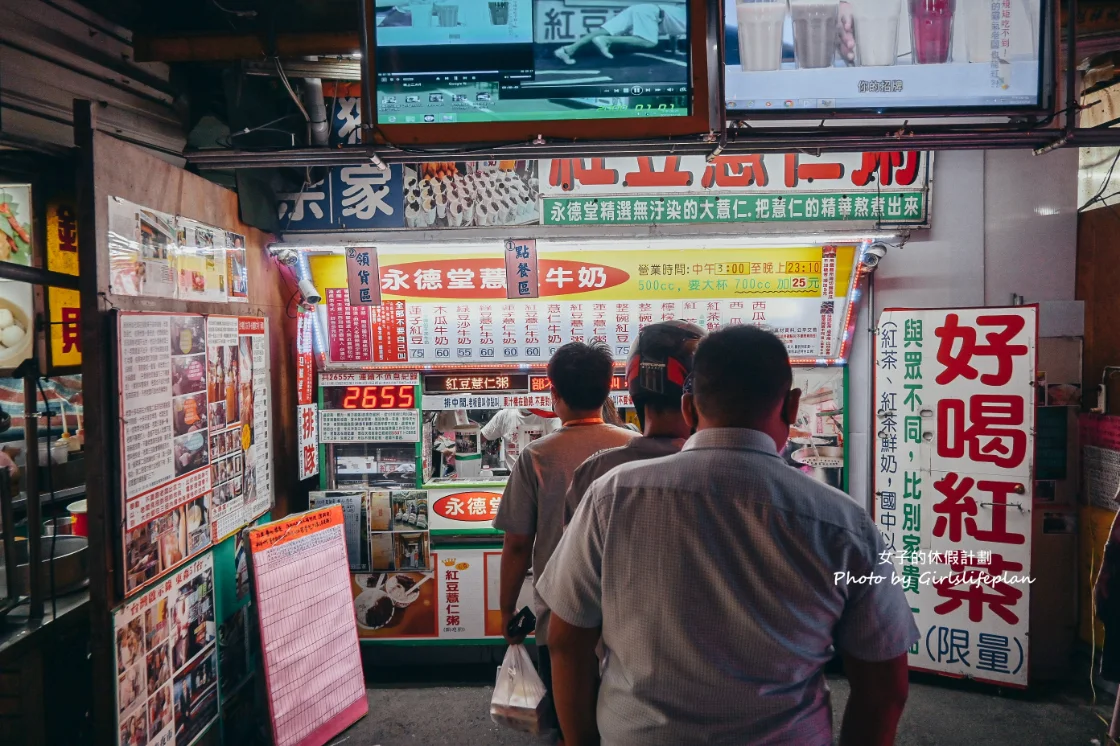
(362, 277)
(167, 660)
(955, 461)
(196, 452)
(309, 639)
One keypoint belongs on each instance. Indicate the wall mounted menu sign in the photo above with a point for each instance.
(196, 452)
(167, 660)
(302, 585)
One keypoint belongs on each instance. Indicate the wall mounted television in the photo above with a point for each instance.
(460, 71)
(800, 58)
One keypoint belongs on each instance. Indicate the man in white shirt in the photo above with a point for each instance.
(637, 28)
(718, 579)
(517, 428)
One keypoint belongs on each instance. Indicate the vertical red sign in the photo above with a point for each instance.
(305, 363)
(363, 277)
(349, 329)
(390, 343)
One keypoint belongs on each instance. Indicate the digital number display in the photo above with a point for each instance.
(369, 397)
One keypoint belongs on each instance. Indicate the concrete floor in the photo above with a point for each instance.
(451, 706)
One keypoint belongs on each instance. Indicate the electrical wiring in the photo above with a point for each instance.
(1107, 180)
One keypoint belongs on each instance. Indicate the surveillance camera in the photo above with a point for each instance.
(287, 257)
(310, 294)
(874, 254)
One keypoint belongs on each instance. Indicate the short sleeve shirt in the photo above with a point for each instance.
(638, 449)
(517, 430)
(533, 501)
(712, 574)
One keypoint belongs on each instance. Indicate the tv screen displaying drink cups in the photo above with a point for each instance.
(884, 55)
(481, 61)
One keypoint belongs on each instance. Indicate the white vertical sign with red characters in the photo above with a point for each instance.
(306, 412)
(955, 419)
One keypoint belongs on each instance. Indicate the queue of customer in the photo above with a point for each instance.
(696, 562)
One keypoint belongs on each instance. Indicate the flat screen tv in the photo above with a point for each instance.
(922, 57)
(508, 70)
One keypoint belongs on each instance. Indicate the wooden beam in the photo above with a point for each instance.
(233, 47)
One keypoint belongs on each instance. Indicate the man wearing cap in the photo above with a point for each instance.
(722, 581)
(659, 364)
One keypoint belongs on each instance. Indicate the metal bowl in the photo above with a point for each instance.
(71, 565)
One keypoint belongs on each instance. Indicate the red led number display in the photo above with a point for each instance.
(378, 397)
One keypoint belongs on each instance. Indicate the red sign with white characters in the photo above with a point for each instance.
(471, 507)
(955, 408)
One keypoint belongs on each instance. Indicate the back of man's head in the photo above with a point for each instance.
(660, 361)
(581, 375)
(741, 376)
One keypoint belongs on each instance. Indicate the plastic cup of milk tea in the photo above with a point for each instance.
(931, 30)
(760, 33)
(814, 32)
(876, 30)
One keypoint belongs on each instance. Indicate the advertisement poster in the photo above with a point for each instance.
(200, 262)
(875, 189)
(955, 448)
(141, 250)
(238, 400)
(476, 193)
(166, 256)
(300, 577)
(237, 648)
(16, 243)
(197, 449)
(457, 601)
(167, 660)
(816, 444)
(456, 310)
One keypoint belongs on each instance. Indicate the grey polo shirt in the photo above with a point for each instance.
(638, 449)
(711, 573)
(533, 501)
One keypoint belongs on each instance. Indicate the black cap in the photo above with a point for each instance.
(661, 360)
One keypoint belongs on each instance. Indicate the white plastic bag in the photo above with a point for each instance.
(520, 699)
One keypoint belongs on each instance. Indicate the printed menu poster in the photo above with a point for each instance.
(190, 425)
(167, 660)
(312, 665)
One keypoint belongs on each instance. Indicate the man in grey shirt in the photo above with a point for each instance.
(532, 509)
(659, 364)
(711, 576)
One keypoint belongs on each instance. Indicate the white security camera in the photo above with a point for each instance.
(310, 295)
(874, 254)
